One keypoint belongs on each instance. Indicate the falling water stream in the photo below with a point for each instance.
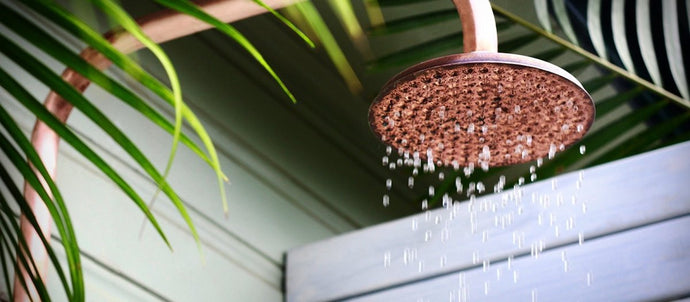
(489, 217)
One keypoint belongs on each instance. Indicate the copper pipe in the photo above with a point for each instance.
(478, 25)
(160, 27)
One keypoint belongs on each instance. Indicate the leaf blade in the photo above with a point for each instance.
(620, 39)
(33, 105)
(73, 25)
(673, 50)
(594, 27)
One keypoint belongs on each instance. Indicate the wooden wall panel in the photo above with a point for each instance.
(594, 203)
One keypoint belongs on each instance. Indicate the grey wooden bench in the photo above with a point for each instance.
(616, 232)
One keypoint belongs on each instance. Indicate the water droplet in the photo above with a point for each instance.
(389, 184)
(517, 109)
(441, 176)
(458, 184)
(415, 172)
(469, 169)
(515, 276)
(389, 149)
(421, 137)
(485, 129)
(589, 279)
(386, 200)
(456, 165)
(470, 128)
(498, 274)
(480, 187)
(485, 265)
(387, 259)
(410, 182)
(391, 166)
(534, 295)
(532, 169)
(447, 201)
(384, 160)
(583, 149)
(427, 236)
(469, 113)
(554, 184)
(421, 266)
(565, 127)
(533, 177)
(415, 224)
(486, 287)
(540, 161)
(431, 191)
(521, 181)
(442, 261)
(399, 162)
(485, 166)
(561, 147)
(552, 151)
(457, 127)
(445, 234)
(580, 128)
(580, 238)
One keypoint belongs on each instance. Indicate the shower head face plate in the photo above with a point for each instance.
(492, 108)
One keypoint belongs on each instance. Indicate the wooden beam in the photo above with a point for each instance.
(635, 265)
(594, 203)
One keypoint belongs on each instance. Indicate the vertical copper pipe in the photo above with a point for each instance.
(478, 25)
(160, 27)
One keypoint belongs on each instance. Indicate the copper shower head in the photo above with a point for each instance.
(481, 107)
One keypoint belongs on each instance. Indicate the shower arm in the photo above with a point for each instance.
(478, 25)
(161, 26)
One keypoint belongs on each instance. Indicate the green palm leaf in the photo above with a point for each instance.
(73, 25)
(11, 240)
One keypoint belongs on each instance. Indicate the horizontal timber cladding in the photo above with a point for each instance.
(619, 227)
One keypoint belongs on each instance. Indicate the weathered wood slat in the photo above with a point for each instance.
(635, 265)
(611, 198)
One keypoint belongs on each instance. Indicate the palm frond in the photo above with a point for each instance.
(11, 241)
